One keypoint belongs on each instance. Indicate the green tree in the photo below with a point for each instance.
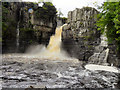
(60, 13)
(110, 18)
(46, 12)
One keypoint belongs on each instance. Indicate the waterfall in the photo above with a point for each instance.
(55, 41)
(18, 33)
(53, 49)
(106, 55)
(104, 42)
(101, 51)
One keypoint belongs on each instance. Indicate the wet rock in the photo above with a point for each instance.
(40, 67)
(80, 36)
(41, 29)
(57, 74)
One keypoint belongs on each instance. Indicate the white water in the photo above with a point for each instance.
(100, 55)
(18, 33)
(106, 56)
(94, 67)
(104, 42)
(54, 51)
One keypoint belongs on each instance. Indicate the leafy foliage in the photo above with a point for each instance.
(8, 23)
(110, 18)
(64, 19)
(46, 12)
(87, 8)
(5, 12)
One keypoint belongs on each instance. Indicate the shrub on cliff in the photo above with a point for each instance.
(110, 18)
(8, 23)
(46, 12)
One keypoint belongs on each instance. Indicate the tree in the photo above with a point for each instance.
(110, 18)
(46, 12)
(60, 13)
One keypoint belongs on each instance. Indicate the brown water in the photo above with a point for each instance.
(54, 51)
(55, 41)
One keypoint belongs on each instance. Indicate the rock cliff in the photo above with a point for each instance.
(33, 28)
(82, 40)
(80, 36)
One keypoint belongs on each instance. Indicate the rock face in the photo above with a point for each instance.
(31, 29)
(80, 36)
(42, 29)
(10, 15)
(82, 40)
(113, 57)
(101, 52)
(105, 53)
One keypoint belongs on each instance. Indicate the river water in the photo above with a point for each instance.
(21, 71)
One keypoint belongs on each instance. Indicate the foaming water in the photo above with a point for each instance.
(53, 51)
(94, 67)
(55, 41)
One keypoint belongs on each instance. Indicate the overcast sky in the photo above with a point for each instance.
(69, 5)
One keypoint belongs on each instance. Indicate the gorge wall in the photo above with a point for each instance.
(80, 36)
(35, 26)
(82, 40)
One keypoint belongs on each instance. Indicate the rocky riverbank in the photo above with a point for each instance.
(20, 71)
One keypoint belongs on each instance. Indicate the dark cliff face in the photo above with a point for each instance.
(114, 56)
(9, 21)
(33, 28)
(80, 36)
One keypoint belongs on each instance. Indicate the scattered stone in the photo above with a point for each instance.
(55, 75)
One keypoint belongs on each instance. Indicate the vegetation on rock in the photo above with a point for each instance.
(63, 19)
(110, 18)
(46, 12)
(16, 14)
(8, 23)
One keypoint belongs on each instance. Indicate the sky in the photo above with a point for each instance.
(69, 5)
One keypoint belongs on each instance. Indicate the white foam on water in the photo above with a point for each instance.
(94, 67)
(59, 74)
(53, 51)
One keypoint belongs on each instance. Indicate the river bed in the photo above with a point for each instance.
(19, 71)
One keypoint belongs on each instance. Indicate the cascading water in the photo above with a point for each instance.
(53, 51)
(18, 32)
(55, 41)
(101, 51)
(100, 57)
(17, 37)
